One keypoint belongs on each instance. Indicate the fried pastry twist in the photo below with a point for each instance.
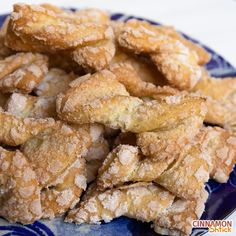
(53, 31)
(56, 155)
(89, 41)
(30, 106)
(167, 144)
(142, 201)
(221, 100)
(221, 146)
(177, 220)
(101, 98)
(95, 57)
(144, 68)
(203, 56)
(183, 175)
(177, 62)
(52, 150)
(16, 130)
(127, 75)
(65, 191)
(19, 188)
(22, 72)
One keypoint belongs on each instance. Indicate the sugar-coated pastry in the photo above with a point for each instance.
(16, 130)
(53, 31)
(142, 201)
(54, 149)
(102, 99)
(183, 175)
(221, 146)
(221, 100)
(203, 56)
(22, 72)
(102, 118)
(127, 75)
(65, 190)
(19, 188)
(63, 31)
(23, 105)
(174, 60)
(57, 156)
(95, 57)
(177, 220)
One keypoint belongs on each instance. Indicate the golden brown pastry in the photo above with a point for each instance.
(143, 66)
(63, 31)
(64, 193)
(52, 150)
(56, 81)
(22, 105)
(221, 146)
(127, 75)
(183, 175)
(102, 99)
(19, 188)
(95, 57)
(177, 220)
(168, 143)
(142, 201)
(203, 56)
(56, 155)
(221, 100)
(22, 72)
(174, 60)
(4, 51)
(16, 130)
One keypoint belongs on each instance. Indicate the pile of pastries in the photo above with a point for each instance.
(101, 119)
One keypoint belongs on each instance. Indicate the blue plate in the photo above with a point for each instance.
(220, 204)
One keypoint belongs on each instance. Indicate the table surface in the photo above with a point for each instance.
(212, 22)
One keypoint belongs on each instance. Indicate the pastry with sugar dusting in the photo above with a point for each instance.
(134, 126)
(15, 130)
(42, 29)
(23, 105)
(142, 201)
(221, 146)
(184, 175)
(22, 72)
(19, 188)
(166, 144)
(177, 220)
(127, 75)
(221, 100)
(56, 155)
(143, 66)
(100, 98)
(3, 99)
(176, 61)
